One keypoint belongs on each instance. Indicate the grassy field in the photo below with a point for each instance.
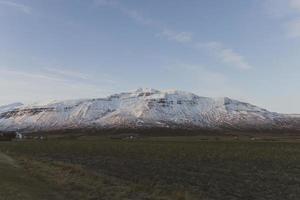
(150, 168)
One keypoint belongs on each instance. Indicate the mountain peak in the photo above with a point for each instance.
(163, 93)
(142, 108)
(147, 90)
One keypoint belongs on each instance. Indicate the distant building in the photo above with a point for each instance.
(19, 136)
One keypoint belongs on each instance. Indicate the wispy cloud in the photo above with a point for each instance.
(66, 73)
(138, 17)
(293, 26)
(32, 75)
(289, 12)
(203, 80)
(224, 54)
(71, 75)
(105, 2)
(277, 8)
(181, 37)
(131, 13)
(21, 7)
(295, 4)
(49, 83)
(201, 73)
(293, 29)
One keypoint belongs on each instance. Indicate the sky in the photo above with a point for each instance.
(70, 49)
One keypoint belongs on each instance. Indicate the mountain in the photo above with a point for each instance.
(144, 108)
(10, 107)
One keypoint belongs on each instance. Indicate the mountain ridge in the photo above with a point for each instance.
(144, 108)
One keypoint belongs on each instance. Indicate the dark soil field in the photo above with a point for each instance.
(189, 168)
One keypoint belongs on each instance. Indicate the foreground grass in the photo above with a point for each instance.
(17, 184)
(166, 168)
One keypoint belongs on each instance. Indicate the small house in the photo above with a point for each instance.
(19, 136)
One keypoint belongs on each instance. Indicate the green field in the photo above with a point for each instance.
(149, 168)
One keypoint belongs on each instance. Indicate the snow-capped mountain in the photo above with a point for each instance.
(143, 108)
(10, 107)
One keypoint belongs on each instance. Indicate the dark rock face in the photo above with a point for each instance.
(23, 112)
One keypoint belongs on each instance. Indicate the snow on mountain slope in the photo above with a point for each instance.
(142, 108)
(10, 107)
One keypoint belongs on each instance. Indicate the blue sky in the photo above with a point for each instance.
(65, 49)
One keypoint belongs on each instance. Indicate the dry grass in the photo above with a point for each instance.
(166, 168)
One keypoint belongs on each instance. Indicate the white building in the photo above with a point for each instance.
(19, 136)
